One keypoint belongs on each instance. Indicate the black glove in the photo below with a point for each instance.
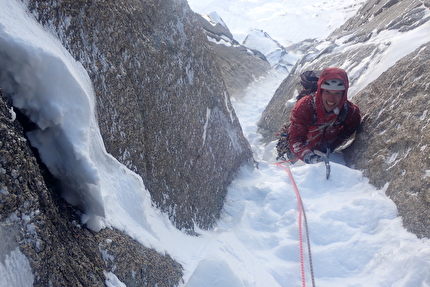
(312, 158)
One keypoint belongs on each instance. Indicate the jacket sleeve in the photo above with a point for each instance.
(301, 120)
(352, 122)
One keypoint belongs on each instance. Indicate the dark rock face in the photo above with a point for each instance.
(393, 145)
(163, 109)
(239, 68)
(36, 222)
(393, 142)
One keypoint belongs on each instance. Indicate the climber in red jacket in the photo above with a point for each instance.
(325, 120)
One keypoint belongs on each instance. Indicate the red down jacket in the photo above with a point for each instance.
(312, 128)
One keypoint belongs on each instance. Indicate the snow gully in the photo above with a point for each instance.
(301, 211)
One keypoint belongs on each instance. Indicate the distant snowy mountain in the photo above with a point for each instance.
(282, 26)
(275, 53)
(287, 22)
(258, 42)
(240, 65)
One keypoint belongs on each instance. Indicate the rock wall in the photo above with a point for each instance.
(162, 106)
(40, 232)
(392, 146)
(163, 110)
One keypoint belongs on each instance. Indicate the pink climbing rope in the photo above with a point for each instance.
(301, 214)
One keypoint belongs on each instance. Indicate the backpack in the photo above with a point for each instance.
(309, 82)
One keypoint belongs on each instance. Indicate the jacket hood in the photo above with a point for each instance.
(329, 74)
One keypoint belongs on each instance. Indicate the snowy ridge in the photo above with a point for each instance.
(391, 48)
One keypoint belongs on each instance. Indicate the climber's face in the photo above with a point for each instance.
(331, 99)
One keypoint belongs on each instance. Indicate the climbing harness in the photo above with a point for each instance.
(301, 211)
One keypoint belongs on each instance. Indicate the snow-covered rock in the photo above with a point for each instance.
(42, 240)
(161, 103)
(393, 145)
(103, 84)
(239, 65)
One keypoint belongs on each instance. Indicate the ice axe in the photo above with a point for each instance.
(325, 158)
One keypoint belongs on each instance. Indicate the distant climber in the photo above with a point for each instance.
(321, 121)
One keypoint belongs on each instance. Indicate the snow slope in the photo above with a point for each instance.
(356, 237)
